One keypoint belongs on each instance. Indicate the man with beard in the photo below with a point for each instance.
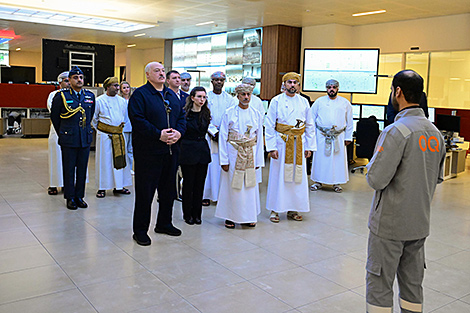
(112, 170)
(404, 171)
(290, 138)
(185, 82)
(158, 122)
(240, 153)
(333, 120)
(71, 113)
(218, 101)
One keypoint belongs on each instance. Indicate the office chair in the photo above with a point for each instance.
(367, 132)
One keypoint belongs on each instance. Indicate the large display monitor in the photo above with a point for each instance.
(355, 69)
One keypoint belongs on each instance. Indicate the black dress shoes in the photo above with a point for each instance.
(189, 221)
(71, 204)
(169, 230)
(81, 203)
(197, 221)
(143, 240)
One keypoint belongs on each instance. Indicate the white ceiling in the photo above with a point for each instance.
(178, 18)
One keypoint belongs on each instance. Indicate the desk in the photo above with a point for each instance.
(35, 126)
(458, 162)
(448, 166)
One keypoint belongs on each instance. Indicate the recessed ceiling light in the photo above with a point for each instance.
(369, 13)
(132, 45)
(70, 20)
(205, 23)
(18, 49)
(139, 35)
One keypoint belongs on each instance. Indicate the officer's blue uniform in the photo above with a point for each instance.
(75, 136)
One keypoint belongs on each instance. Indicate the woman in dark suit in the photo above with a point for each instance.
(195, 154)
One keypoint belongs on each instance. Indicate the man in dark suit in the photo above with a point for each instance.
(173, 79)
(158, 122)
(71, 113)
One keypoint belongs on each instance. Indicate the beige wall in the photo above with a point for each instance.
(430, 34)
(447, 33)
(136, 59)
(24, 58)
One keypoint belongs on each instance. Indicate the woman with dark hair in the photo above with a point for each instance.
(195, 154)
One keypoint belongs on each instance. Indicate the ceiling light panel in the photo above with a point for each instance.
(70, 20)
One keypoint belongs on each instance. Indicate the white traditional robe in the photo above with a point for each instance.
(56, 178)
(111, 111)
(127, 132)
(332, 169)
(239, 205)
(285, 196)
(256, 103)
(217, 104)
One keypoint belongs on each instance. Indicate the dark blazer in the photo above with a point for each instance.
(184, 96)
(69, 130)
(148, 117)
(194, 146)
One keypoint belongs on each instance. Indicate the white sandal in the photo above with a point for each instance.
(274, 217)
(316, 186)
(294, 215)
(337, 188)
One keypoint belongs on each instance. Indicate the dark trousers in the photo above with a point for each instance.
(194, 177)
(74, 164)
(154, 172)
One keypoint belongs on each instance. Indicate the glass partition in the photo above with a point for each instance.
(237, 53)
(449, 80)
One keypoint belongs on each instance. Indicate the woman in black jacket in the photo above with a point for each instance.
(195, 154)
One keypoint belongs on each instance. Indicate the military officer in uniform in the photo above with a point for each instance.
(71, 114)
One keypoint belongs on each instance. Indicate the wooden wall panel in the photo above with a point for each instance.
(280, 54)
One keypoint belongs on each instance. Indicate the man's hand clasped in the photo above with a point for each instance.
(170, 136)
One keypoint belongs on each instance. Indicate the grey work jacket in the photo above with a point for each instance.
(404, 171)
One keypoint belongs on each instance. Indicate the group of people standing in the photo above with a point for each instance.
(220, 157)
(107, 114)
(217, 140)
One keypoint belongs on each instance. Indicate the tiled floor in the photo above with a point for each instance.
(56, 260)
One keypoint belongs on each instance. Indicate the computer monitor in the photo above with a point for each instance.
(377, 110)
(381, 125)
(356, 108)
(449, 123)
(432, 114)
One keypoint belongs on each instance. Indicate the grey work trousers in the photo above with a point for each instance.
(387, 258)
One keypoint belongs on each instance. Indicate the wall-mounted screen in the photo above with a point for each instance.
(355, 69)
